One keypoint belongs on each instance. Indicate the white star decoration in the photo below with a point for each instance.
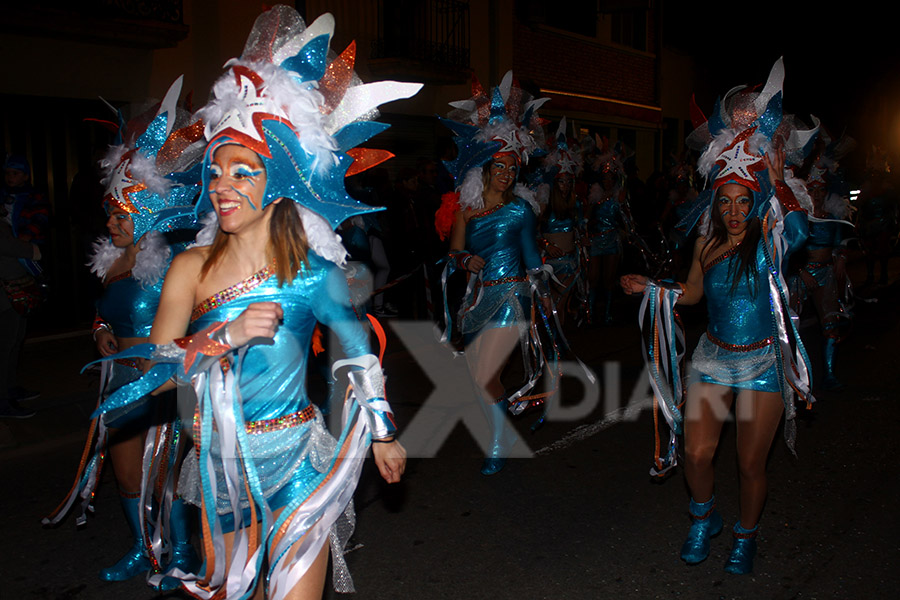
(122, 185)
(511, 142)
(566, 164)
(240, 118)
(738, 164)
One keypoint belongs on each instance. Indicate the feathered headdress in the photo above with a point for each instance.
(504, 122)
(744, 126)
(825, 172)
(562, 160)
(154, 174)
(304, 116)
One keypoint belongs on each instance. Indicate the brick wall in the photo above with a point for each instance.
(552, 60)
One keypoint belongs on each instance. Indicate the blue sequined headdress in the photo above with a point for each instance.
(744, 126)
(154, 175)
(562, 160)
(505, 121)
(301, 113)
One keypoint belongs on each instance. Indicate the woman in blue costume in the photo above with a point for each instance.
(751, 349)
(562, 222)
(822, 278)
(494, 239)
(272, 484)
(604, 225)
(144, 189)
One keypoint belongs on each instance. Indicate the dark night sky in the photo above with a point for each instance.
(842, 66)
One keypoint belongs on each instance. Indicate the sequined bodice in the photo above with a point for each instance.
(505, 237)
(741, 315)
(273, 375)
(129, 306)
(823, 235)
(604, 215)
(561, 224)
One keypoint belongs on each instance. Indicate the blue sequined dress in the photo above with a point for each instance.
(505, 237)
(127, 306)
(738, 349)
(260, 446)
(290, 447)
(603, 227)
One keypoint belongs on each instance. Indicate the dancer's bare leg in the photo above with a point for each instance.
(758, 415)
(707, 408)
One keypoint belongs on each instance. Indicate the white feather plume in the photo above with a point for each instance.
(471, 190)
(321, 238)
(798, 186)
(153, 259)
(149, 265)
(528, 195)
(103, 255)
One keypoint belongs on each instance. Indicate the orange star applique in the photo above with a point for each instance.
(201, 343)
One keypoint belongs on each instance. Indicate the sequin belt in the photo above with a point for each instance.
(740, 347)
(127, 362)
(516, 279)
(279, 423)
(817, 264)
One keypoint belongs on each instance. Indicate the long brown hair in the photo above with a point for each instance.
(744, 265)
(287, 243)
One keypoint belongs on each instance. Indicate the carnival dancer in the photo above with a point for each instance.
(152, 177)
(751, 348)
(492, 225)
(562, 221)
(272, 484)
(682, 195)
(878, 216)
(823, 277)
(605, 222)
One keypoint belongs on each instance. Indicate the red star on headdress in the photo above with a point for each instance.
(738, 164)
(201, 343)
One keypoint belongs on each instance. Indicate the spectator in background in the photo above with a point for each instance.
(26, 214)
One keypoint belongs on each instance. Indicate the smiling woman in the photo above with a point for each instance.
(237, 315)
(237, 179)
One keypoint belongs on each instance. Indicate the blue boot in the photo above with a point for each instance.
(500, 445)
(707, 523)
(184, 557)
(831, 382)
(742, 552)
(135, 560)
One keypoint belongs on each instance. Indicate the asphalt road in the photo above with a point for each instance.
(580, 519)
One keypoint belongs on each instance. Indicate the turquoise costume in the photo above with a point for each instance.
(737, 350)
(290, 449)
(752, 341)
(260, 446)
(568, 263)
(603, 227)
(823, 235)
(505, 237)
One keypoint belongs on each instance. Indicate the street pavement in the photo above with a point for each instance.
(580, 519)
